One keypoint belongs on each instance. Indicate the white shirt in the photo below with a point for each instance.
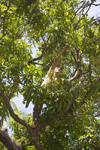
(49, 77)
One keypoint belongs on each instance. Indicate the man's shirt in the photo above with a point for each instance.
(49, 77)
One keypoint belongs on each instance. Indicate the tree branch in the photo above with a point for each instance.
(6, 139)
(96, 4)
(9, 142)
(43, 52)
(37, 143)
(77, 75)
(13, 115)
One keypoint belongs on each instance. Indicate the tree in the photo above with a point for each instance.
(64, 114)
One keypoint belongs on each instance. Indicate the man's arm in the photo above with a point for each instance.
(58, 57)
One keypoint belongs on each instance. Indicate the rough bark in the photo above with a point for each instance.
(35, 140)
(9, 143)
(13, 115)
(76, 75)
(7, 140)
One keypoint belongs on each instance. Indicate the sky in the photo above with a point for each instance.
(94, 11)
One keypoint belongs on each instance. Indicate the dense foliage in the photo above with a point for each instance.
(66, 115)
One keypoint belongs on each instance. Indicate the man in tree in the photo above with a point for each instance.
(54, 71)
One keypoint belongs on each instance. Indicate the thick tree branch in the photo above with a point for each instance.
(13, 115)
(9, 142)
(37, 143)
(34, 133)
(41, 126)
(6, 139)
(77, 75)
(4, 125)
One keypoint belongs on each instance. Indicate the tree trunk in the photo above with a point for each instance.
(37, 144)
(9, 143)
(35, 140)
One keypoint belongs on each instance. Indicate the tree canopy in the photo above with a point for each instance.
(66, 116)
